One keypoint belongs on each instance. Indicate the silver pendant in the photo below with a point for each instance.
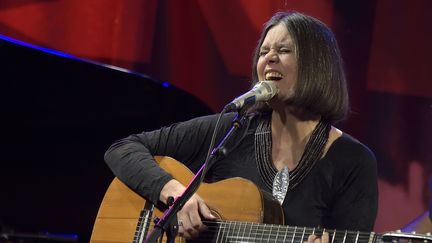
(280, 184)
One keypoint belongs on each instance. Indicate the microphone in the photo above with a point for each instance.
(262, 91)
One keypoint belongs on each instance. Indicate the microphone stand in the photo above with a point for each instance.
(169, 219)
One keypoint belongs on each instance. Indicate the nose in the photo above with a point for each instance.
(272, 57)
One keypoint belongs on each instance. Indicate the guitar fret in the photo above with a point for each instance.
(235, 231)
(243, 234)
(357, 236)
(265, 232)
(228, 235)
(286, 229)
(239, 235)
(250, 230)
(340, 236)
(260, 231)
(262, 235)
(282, 235)
(304, 230)
(249, 234)
(294, 234)
(277, 228)
(256, 231)
(224, 232)
(270, 234)
(277, 233)
(219, 229)
(240, 231)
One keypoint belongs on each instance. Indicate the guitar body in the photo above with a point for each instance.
(245, 215)
(234, 199)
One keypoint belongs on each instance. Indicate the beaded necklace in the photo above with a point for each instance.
(314, 150)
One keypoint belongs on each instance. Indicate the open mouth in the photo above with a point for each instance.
(273, 76)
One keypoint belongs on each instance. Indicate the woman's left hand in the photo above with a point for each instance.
(315, 239)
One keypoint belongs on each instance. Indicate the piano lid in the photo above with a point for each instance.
(44, 84)
(59, 115)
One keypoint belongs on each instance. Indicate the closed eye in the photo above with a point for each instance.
(285, 50)
(263, 52)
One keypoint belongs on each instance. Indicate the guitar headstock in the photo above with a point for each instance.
(397, 236)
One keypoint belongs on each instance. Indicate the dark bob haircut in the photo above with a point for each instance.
(321, 85)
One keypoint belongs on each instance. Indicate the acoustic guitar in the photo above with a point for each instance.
(244, 212)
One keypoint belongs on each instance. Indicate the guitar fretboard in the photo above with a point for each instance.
(233, 231)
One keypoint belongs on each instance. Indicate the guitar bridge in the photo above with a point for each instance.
(143, 224)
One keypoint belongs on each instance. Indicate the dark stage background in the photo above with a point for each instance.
(204, 47)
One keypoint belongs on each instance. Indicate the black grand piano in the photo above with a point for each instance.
(59, 114)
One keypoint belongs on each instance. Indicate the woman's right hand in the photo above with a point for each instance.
(192, 212)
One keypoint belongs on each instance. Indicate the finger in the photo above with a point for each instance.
(181, 229)
(311, 239)
(191, 232)
(195, 220)
(205, 211)
(187, 230)
(185, 225)
(181, 232)
(190, 219)
(325, 238)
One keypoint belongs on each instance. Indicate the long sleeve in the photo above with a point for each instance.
(340, 192)
(356, 190)
(131, 158)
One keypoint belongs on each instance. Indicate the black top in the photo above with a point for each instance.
(340, 192)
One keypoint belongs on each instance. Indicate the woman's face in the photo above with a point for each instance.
(277, 61)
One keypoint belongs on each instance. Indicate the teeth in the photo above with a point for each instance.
(273, 75)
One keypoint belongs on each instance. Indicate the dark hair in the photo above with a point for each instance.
(321, 85)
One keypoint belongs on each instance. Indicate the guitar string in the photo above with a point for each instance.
(269, 233)
(261, 237)
(261, 231)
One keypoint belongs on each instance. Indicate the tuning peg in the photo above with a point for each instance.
(410, 240)
(427, 234)
(397, 231)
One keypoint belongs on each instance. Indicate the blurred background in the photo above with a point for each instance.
(76, 75)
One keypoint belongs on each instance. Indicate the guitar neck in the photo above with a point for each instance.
(234, 231)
